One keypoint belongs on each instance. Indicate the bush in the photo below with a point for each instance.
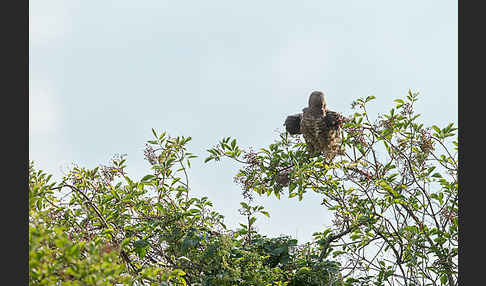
(392, 190)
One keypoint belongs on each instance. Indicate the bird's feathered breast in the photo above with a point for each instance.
(321, 130)
(312, 122)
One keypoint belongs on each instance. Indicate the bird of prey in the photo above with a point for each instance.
(321, 128)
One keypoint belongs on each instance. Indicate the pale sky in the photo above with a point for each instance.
(102, 74)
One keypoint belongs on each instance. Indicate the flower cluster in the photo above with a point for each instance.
(109, 173)
(357, 135)
(426, 143)
(448, 214)
(149, 155)
(251, 157)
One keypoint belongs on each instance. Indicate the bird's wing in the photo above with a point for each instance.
(333, 119)
(292, 124)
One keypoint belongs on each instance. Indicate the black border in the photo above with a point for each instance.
(15, 138)
(471, 146)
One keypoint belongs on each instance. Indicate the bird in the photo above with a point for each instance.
(320, 127)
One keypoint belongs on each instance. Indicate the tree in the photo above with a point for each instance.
(100, 227)
(393, 192)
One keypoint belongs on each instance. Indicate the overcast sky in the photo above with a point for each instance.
(102, 74)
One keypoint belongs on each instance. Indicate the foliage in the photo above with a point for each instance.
(100, 227)
(392, 189)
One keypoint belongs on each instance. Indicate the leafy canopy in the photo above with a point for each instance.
(392, 190)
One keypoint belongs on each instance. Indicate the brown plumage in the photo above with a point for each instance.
(320, 127)
(292, 123)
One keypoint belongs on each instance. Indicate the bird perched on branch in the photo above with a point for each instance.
(321, 128)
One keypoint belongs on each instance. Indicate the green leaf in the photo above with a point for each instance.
(265, 213)
(141, 243)
(371, 97)
(108, 230)
(292, 186)
(208, 159)
(178, 272)
(443, 279)
(389, 189)
(278, 251)
(391, 177)
(355, 236)
(147, 177)
(125, 242)
(194, 211)
(225, 146)
(114, 193)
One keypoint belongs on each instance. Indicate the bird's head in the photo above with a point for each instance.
(317, 101)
